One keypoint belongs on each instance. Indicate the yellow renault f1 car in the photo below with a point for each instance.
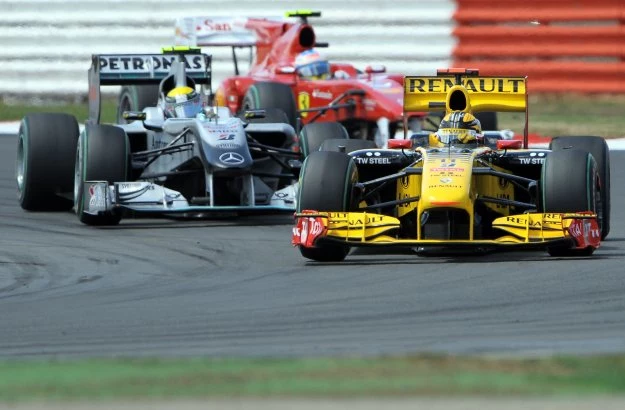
(456, 188)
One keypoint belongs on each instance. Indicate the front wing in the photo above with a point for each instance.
(524, 231)
(150, 198)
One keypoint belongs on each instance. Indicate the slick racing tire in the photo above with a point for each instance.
(599, 149)
(265, 95)
(350, 145)
(326, 184)
(312, 135)
(45, 161)
(135, 98)
(102, 155)
(570, 183)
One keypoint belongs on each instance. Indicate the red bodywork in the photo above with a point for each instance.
(277, 45)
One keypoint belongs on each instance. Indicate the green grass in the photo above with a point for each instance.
(570, 114)
(345, 377)
(15, 111)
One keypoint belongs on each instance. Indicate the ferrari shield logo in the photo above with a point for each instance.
(303, 101)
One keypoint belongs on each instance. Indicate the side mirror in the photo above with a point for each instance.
(134, 115)
(509, 144)
(296, 167)
(286, 69)
(375, 69)
(254, 114)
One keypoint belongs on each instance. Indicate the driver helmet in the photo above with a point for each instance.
(457, 127)
(312, 65)
(183, 102)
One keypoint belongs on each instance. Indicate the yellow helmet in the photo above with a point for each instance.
(183, 102)
(458, 127)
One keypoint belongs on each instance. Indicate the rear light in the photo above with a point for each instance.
(509, 144)
(397, 144)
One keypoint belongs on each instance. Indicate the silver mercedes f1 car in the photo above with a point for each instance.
(159, 162)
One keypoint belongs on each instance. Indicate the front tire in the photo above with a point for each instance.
(45, 158)
(327, 183)
(599, 149)
(313, 135)
(569, 183)
(102, 155)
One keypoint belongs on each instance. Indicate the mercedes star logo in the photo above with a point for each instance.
(232, 158)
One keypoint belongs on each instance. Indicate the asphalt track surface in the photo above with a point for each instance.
(235, 287)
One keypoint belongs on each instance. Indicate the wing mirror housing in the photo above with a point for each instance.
(134, 115)
(375, 69)
(254, 114)
(286, 69)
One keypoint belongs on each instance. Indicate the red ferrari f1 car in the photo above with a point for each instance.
(368, 103)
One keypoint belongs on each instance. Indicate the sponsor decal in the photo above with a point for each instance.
(369, 104)
(484, 85)
(503, 183)
(523, 221)
(225, 137)
(303, 102)
(405, 181)
(227, 145)
(97, 197)
(585, 232)
(373, 158)
(532, 161)
(132, 186)
(214, 25)
(447, 169)
(502, 196)
(341, 217)
(148, 64)
(307, 230)
(322, 94)
(443, 186)
(231, 158)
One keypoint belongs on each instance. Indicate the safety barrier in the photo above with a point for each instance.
(47, 44)
(561, 45)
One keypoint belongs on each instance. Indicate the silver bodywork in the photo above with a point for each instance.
(215, 140)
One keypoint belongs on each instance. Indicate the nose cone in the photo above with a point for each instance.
(446, 182)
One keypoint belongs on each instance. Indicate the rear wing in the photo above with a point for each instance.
(138, 69)
(465, 90)
(225, 31)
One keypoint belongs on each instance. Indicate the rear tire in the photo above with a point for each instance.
(45, 158)
(264, 95)
(135, 98)
(314, 134)
(488, 120)
(326, 184)
(599, 149)
(569, 183)
(102, 155)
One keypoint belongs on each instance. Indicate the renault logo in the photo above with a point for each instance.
(232, 158)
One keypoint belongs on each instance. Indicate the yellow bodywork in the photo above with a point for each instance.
(364, 227)
(447, 181)
(432, 93)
